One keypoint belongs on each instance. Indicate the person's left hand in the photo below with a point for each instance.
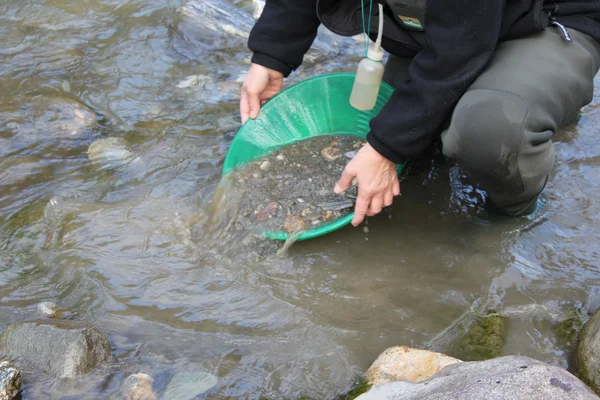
(377, 181)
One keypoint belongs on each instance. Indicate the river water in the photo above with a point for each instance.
(129, 243)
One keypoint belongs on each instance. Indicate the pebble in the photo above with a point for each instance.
(138, 387)
(48, 309)
(269, 211)
(331, 153)
(265, 166)
(280, 157)
(293, 224)
(110, 150)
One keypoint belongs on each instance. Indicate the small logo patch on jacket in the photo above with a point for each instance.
(410, 22)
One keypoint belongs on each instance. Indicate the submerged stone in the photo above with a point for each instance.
(49, 309)
(138, 387)
(568, 330)
(483, 340)
(110, 151)
(59, 348)
(10, 381)
(188, 385)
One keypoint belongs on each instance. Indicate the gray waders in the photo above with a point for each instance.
(501, 129)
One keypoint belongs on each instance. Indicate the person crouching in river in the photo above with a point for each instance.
(494, 79)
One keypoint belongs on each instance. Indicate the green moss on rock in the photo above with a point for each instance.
(483, 340)
(568, 330)
(362, 387)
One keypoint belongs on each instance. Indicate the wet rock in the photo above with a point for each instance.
(61, 115)
(49, 309)
(47, 116)
(293, 224)
(14, 170)
(59, 348)
(586, 361)
(504, 378)
(483, 340)
(10, 381)
(110, 151)
(269, 211)
(331, 152)
(138, 387)
(402, 363)
(568, 329)
(188, 385)
(265, 166)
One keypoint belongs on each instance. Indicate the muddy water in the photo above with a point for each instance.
(131, 242)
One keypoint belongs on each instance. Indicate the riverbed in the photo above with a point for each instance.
(131, 244)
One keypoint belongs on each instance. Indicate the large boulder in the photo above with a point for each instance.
(586, 361)
(60, 348)
(504, 378)
(10, 381)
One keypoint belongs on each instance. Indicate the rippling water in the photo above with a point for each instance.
(135, 248)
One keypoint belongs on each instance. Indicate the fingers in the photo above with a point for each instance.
(254, 101)
(360, 210)
(388, 199)
(375, 206)
(344, 182)
(244, 106)
(396, 188)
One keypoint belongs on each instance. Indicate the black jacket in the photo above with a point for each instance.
(459, 39)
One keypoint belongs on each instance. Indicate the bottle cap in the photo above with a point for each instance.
(375, 54)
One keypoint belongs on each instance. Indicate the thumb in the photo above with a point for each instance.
(344, 182)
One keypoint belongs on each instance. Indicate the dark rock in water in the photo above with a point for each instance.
(504, 378)
(483, 340)
(586, 361)
(568, 330)
(59, 348)
(10, 381)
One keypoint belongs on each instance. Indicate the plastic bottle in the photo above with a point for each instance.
(369, 75)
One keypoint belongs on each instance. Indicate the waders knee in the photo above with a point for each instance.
(489, 138)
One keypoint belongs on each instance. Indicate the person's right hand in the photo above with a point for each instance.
(260, 85)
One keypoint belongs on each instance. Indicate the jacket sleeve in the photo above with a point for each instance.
(462, 35)
(284, 33)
